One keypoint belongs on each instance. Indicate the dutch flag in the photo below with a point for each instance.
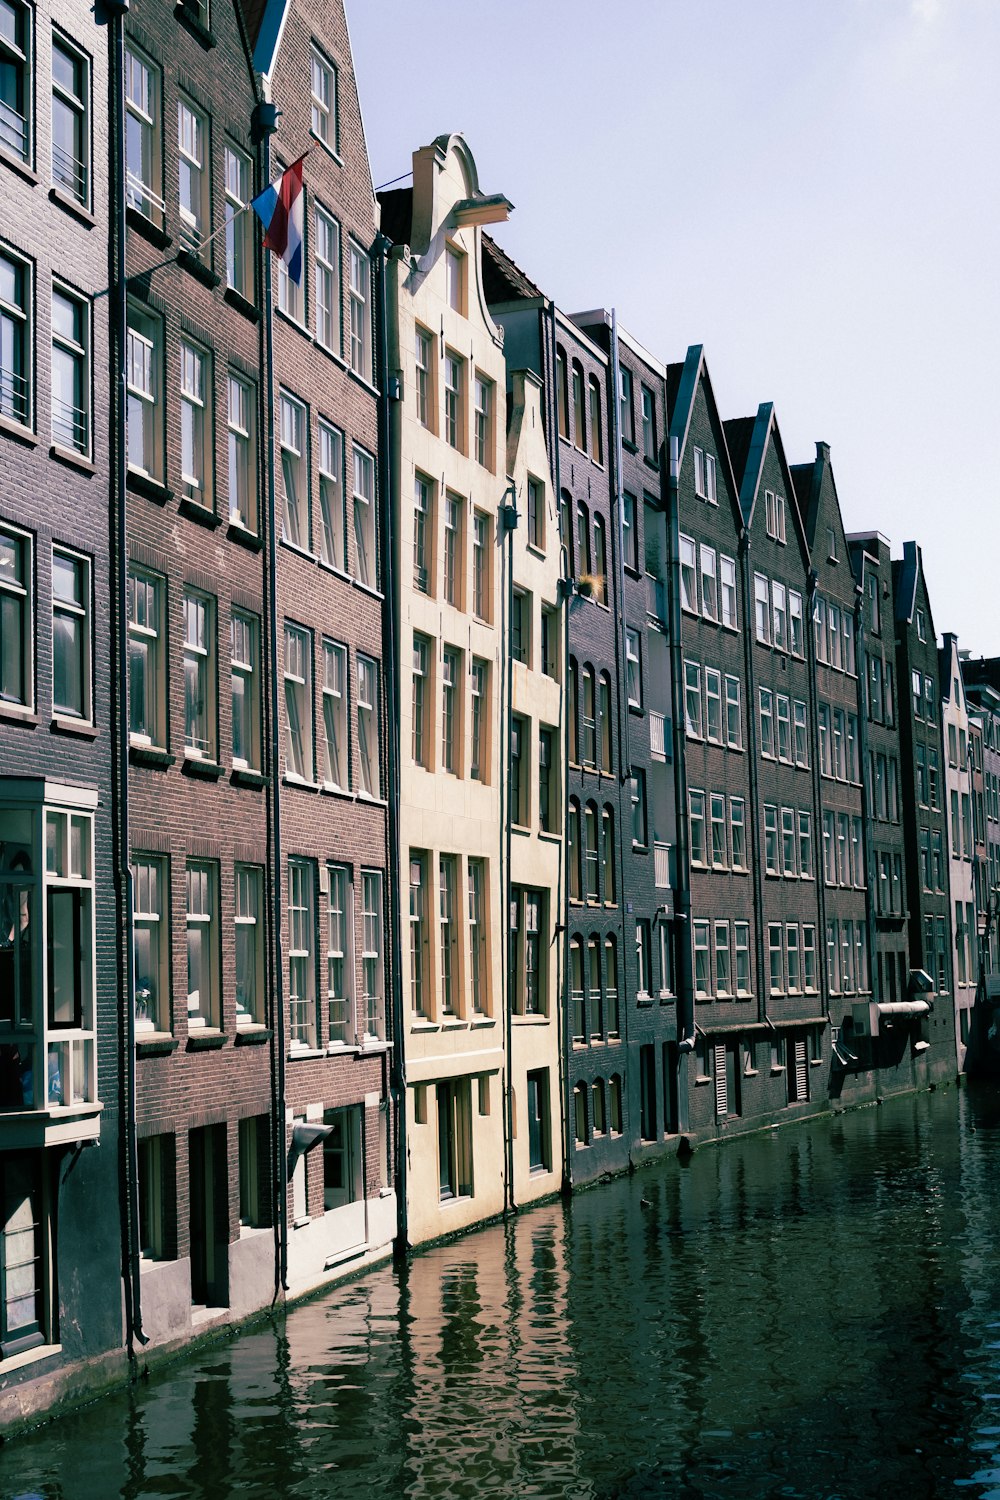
(279, 208)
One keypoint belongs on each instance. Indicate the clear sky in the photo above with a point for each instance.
(810, 188)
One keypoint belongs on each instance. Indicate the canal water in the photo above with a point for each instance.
(812, 1312)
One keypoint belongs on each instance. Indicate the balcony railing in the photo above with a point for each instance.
(663, 860)
(657, 735)
(141, 197)
(13, 130)
(14, 394)
(70, 173)
(69, 425)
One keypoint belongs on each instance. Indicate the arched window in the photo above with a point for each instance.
(562, 395)
(578, 1008)
(582, 540)
(589, 719)
(565, 526)
(571, 712)
(594, 996)
(591, 869)
(615, 1091)
(611, 1017)
(597, 1106)
(579, 407)
(601, 559)
(606, 725)
(596, 430)
(608, 854)
(580, 1113)
(573, 850)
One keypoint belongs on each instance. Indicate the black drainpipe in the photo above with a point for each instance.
(682, 893)
(812, 579)
(861, 665)
(505, 529)
(754, 811)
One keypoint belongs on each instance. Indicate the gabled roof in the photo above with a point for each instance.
(503, 280)
(764, 432)
(739, 431)
(949, 667)
(682, 390)
(904, 581)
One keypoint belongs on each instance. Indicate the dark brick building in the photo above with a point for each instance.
(60, 1256)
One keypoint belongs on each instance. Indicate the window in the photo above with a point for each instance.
(298, 702)
(713, 705)
(200, 728)
(692, 700)
(327, 262)
(364, 517)
(741, 951)
(454, 278)
(783, 718)
(291, 292)
(454, 558)
(451, 677)
(700, 947)
(368, 741)
(709, 584)
(762, 609)
(242, 455)
(479, 761)
(15, 340)
(244, 657)
(144, 375)
(809, 981)
(600, 561)
(921, 625)
(301, 963)
(539, 1135)
(696, 824)
(727, 589)
(528, 946)
(738, 832)
(648, 425)
(643, 957)
(145, 650)
(454, 1108)
(293, 472)
(419, 994)
(766, 722)
(596, 433)
(239, 239)
(15, 78)
(637, 797)
(519, 751)
(805, 844)
(71, 632)
(734, 713)
(360, 326)
(819, 628)
(774, 512)
(323, 90)
(771, 839)
(788, 843)
(334, 714)
(608, 854)
(372, 970)
(332, 514)
(717, 807)
(478, 968)
(579, 409)
(536, 513)
(424, 383)
(70, 371)
(605, 727)
(775, 955)
(801, 737)
(481, 573)
(143, 143)
(632, 668)
(550, 642)
(202, 945)
(196, 443)
(591, 866)
(454, 374)
(548, 786)
(192, 152)
(483, 421)
(795, 637)
(249, 947)
(520, 627)
(626, 405)
(689, 575)
(422, 523)
(150, 943)
(562, 394)
(779, 614)
(630, 532)
(582, 540)
(447, 865)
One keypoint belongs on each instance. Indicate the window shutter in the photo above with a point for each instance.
(801, 1077)
(721, 1091)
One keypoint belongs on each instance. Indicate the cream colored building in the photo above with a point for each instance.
(448, 482)
(533, 808)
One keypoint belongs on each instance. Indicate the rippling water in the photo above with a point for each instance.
(814, 1312)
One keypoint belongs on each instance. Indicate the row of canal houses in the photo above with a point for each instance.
(443, 760)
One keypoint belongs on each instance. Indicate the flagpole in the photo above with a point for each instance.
(172, 260)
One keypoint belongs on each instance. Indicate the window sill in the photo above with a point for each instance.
(366, 385)
(336, 571)
(290, 779)
(235, 532)
(322, 348)
(252, 1036)
(422, 1024)
(534, 1019)
(297, 549)
(545, 837)
(73, 206)
(329, 789)
(18, 430)
(12, 713)
(206, 1039)
(667, 997)
(370, 799)
(637, 708)
(145, 484)
(326, 147)
(155, 1043)
(23, 170)
(342, 1049)
(190, 262)
(368, 588)
(205, 770)
(197, 30)
(195, 511)
(30, 1356)
(61, 724)
(241, 304)
(297, 1054)
(286, 317)
(149, 755)
(700, 1080)
(244, 776)
(72, 459)
(154, 233)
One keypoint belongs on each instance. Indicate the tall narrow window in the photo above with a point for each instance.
(143, 362)
(70, 371)
(626, 405)
(589, 711)
(483, 415)
(454, 369)
(591, 864)
(536, 513)
(332, 516)
(239, 240)
(145, 655)
(372, 971)
(648, 425)
(192, 150)
(477, 936)
(596, 430)
(454, 559)
(446, 929)
(368, 738)
(15, 338)
(245, 690)
(242, 457)
(327, 262)
(562, 394)
(293, 472)
(71, 635)
(419, 996)
(301, 962)
(298, 702)
(520, 627)
(479, 762)
(339, 986)
(424, 385)
(249, 947)
(547, 785)
(605, 727)
(143, 140)
(15, 78)
(481, 572)
(195, 444)
(422, 528)
(335, 714)
(149, 939)
(202, 945)
(609, 855)
(579, 408)
(323, 98)
(451, 676)
(519, 750)
(630, 532)
(633, 672)
(365, 529)
(360, 314)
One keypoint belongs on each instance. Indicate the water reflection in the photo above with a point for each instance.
(811, 1312)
